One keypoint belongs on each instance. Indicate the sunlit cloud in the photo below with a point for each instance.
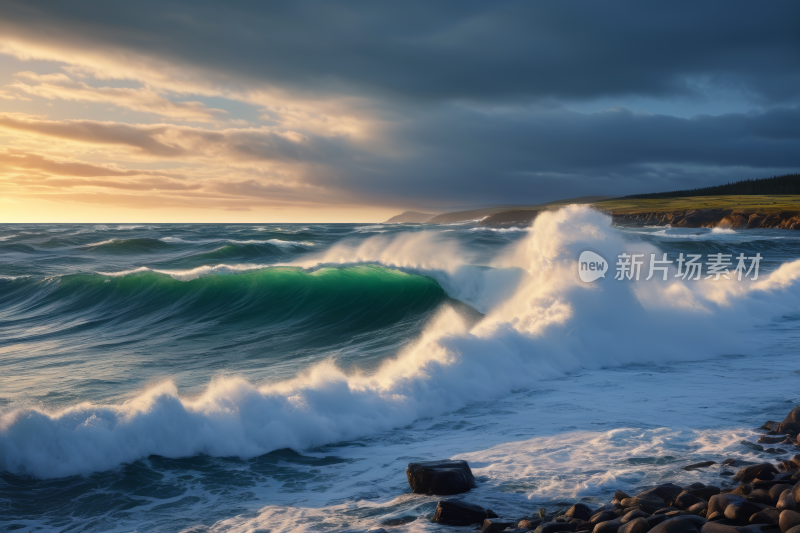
(146, 100)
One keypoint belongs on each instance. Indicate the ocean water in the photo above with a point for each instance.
(280, 377)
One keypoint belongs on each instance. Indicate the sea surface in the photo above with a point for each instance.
(280, 377)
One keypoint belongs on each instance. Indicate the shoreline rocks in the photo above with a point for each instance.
(440, 478)
(763, 502)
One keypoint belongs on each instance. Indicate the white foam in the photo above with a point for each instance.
(512, 229)
(551, 324)
(109, 241)
(725, 231)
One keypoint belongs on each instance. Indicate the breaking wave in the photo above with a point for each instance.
(541, 322)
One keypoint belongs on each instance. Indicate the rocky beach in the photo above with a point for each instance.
(750, 498)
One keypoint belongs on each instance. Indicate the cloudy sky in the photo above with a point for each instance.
(355, 111)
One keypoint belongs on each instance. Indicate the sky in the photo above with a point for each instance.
(319, 111)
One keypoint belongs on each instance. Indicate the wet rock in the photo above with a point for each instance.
(698, 508)
(665, 510)
(579, 510)
(788, 466)
(757, 528)
(775, 451)
(681, 524)
(656, 519)
(440, 477)
(715, 516)
(493, 525)
(729, 462)
(770, 425)
(770, 440)
(760, 496)
(760, 471)
(767, 516)
(555, 527)
(603, 516)
(795, 529)
(716, 527)
(679, 512)
(455, 513)
(695, 466)
(619, 496)
(686, 499)
(762, 484)
(720, 502)
(734, 523)
(743, 510)
(776, 490)
(705, 492)
(637, 525)
(609, 526)
(633, 515)
(786, 501)
(788, 520)
(791, 424)
(525, 524)
(666, 492)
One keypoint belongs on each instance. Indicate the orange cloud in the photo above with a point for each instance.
(147, 100)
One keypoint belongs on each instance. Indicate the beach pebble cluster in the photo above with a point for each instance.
(767, 499)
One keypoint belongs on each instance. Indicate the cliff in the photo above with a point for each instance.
(711, 218)
(413, 217)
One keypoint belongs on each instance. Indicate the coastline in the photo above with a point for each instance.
(684, 218)
(760, 497)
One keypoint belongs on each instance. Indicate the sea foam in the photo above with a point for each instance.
(549, 325)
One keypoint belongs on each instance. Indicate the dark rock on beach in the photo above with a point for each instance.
(609, 526)
(790, 424)
(637, 525)
(579, 510)
(633, 515)
(493, 525)
(764, 471)
(455, 513)
(555, 527)
(695, 466)
(441, 478)
(786, 501)
(685, 500)
(743, 510)
(776, 490)
(680, 524)
(767, 516)
(603, 516)
(788, 520)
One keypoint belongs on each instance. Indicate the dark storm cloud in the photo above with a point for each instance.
(475, 95)
(543, 154)
(430, 50)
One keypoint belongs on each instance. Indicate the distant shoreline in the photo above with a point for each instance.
(733, 212)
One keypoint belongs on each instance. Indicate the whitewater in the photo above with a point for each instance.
(254, 378)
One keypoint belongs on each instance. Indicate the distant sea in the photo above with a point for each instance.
(279, 377)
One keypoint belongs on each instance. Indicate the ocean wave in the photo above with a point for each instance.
(137, 245)
(550, 325)
(512, 229)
